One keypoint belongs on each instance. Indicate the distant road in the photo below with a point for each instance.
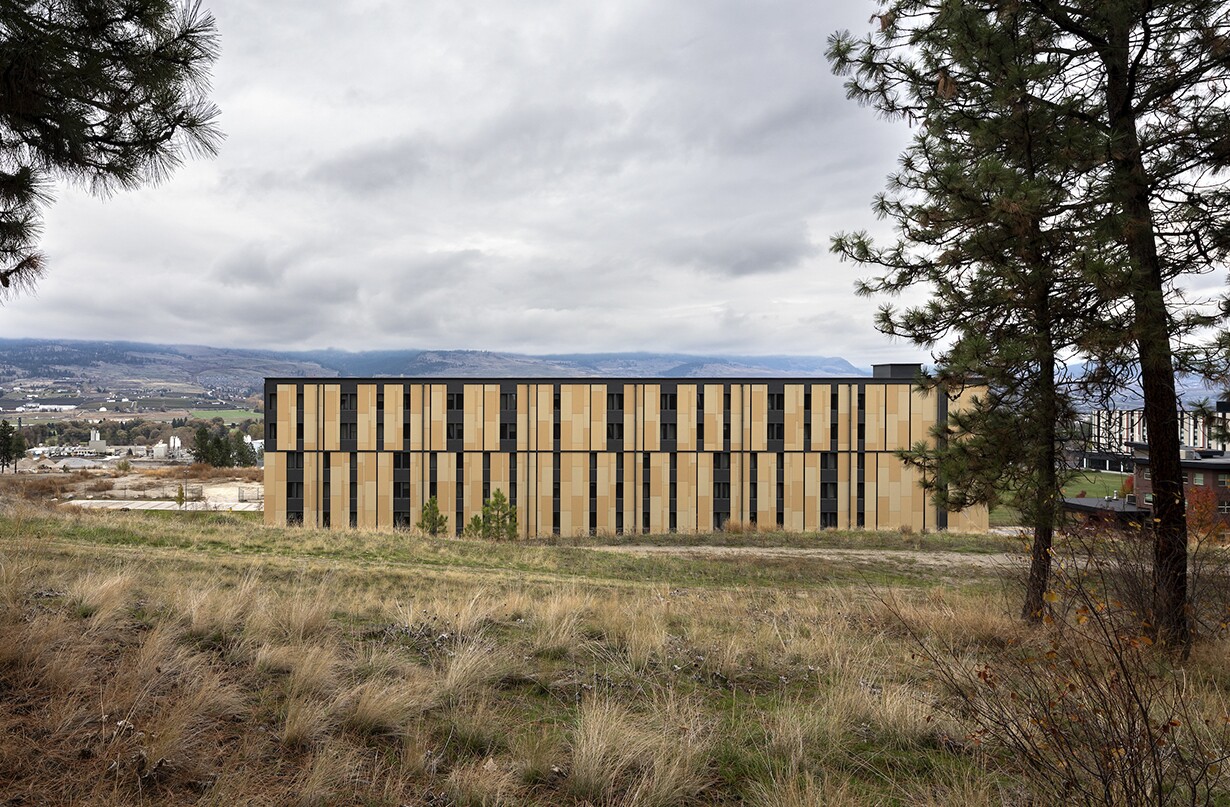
(158, 504)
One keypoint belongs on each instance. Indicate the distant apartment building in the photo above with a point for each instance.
(1204, 470)
(1110, 434)
(604, 455)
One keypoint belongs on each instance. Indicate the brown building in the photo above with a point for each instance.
(583, 456)
(1204, 472)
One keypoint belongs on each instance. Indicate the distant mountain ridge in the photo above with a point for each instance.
(117, 362)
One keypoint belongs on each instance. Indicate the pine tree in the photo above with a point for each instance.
(433, 522)
(110, 94)
(7, 457)
(1132, 92)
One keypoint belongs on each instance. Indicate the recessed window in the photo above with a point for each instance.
(1198, 478)
(614, 431)
(508, 431)
(669, 431)
(454, 401)
(508, 401)
(777, 401)
(1223, 480)
(349, 431)
(669, 401)
(777, 431)
(349, 401)
(453, 431)
(615, 400)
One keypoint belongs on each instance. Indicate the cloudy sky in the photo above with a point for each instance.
(539, 176)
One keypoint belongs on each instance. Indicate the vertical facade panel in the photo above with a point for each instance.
(500, 479)
(436, 395)
(704, 483)
(766, 490)
(821, 412)
(523, 417)
(844, 419)
(736, 418)
(659, 504)
(651, 416)
(446, 488)
(597, 418)
(605, 509)
(794, 417)
(418, 487)
(759, 417)
(874, 418)
(339, 489)
(811, 489)
(394, 403)
(632, 420)
(794, 504)
(311, 487)
(546, 469)
(686, 420)
(472, 408)
(311, 422)
(333, 418)
(367, 417)
(417, 423)
(924, 408)
(685, 490)
(491, 417)
(384, 488)
(275, 493)
(545, 405)
(368, 504)
(472, 495)
(713, 417)
(287, 417)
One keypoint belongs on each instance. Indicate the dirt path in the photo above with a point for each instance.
(934, 559)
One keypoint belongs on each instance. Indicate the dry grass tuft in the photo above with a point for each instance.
(98, 596)
(481, 784)
(384, 707)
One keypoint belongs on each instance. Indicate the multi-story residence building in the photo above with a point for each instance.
(607, 455)
(1113, 431)
(1203, 470)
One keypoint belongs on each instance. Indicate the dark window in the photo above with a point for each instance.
(700, 432)
(379, 435)
(807, 401)
(508, 401)
(349, 401)
(453, 431)
(828, 490)
(349, 431)
(508, 431)
(721, 462)
(806, 431)
(777, 401)
(298, 431)
(272, 409)
(726, 400)
(725, 431)
(862, 432)
(555, 432)
(401, 490)
(380, 400)
(614, 431)
(294, 461)
(777, 431)
(670, 401)
(669, 431)
(454, 401)
(299, 403)
(615, 400)
(721, 490)
(294, 490)
(401, 461)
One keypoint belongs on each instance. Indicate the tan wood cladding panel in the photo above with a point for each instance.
(845, 417)
(491, 417)
(873, 418)
(714, 396)
(659, 501)
(704, 485)
(523, 417)
(287, 417)
(766, 489)
(275, 482)
(597, 422)
(436, 399)
(759, 417)
(499, 474)
(333, 418)
(685, 491)
(794, 505)
(366, 503)
(605, 522)
(546, 489)
(545, 420)
(524, 513)
(685, 417)
(446, 487)
(384, 489)
(394, 404)
(651, 416)
(472, 412)
(417, 418)
(924, 408)
(573, 516)
(472, 496)
(821, 413)
(418, 486)
(795, 416)
(366, 417)
(311, 488)
(737, 428)
(574, 417)
(339, 489)
(811, 488)
(897, 417)
(311, 422)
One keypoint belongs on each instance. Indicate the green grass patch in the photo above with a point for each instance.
(228, 415)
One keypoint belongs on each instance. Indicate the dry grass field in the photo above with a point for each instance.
(150, 658)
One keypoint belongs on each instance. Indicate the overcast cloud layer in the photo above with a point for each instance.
(539, 176)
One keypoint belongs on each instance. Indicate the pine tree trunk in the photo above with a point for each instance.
(1131, 187)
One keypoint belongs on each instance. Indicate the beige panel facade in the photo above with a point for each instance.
(594, 495)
